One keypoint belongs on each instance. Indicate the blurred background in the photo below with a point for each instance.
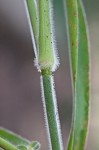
(20, 96)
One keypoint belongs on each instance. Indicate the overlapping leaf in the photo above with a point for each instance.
(80, 73)
(12, 141)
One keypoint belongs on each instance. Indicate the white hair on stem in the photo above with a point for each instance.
(45, 114)
(55, 112)
(55, 50)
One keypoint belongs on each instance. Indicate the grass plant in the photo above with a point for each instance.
(40, 17)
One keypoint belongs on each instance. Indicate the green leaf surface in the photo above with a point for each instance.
(13, 138)
(35, 145)
(22, 147)
(80, 79)
(5, 145)
(33, 18)
(13, 141)
(32, 6)
(72, 13)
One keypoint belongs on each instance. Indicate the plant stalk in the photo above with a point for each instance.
(51, 112)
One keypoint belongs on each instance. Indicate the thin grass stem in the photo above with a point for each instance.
(51, 113)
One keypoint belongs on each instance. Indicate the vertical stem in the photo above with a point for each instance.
(51, 113)
(47, 61)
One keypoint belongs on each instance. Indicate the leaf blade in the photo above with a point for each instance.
(80, 82)
(33, 19)
(72, 13)
(82, 85)
(13, 138)
(7, 145)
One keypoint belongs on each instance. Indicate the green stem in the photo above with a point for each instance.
(51, 112)
(6, 145)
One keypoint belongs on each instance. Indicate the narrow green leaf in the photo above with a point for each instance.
(81, 80)
(15, 141)
(13, 138)
(22, 147)
(33, 18)
(82, 85)
(72, 13)
(35, 145)
(6, 145)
